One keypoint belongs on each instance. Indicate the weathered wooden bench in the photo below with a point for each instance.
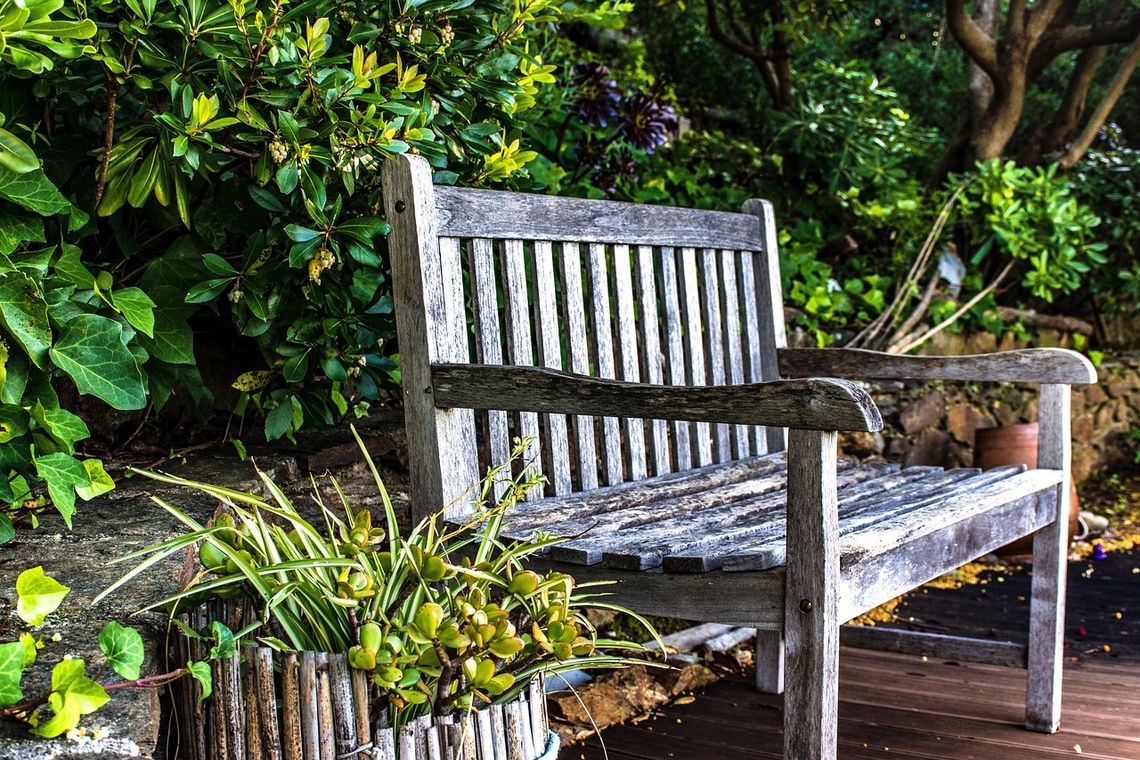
(643, 349)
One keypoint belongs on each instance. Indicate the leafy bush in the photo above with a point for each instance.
(1033, 215)
(159, 161)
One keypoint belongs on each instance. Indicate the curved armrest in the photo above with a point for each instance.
(804, 404)
(1031, 365)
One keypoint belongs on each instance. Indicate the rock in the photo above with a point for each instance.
(861, 444)
(1104, 416)
(923, 413)
(1115, 386)
(964, 420)
(981, 343)
(898, 447)
(1094, 394)
(931, 449)
(1084, 428)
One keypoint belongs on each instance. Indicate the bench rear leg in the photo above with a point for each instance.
(770, 662)
(811, 607)
(1050, 559)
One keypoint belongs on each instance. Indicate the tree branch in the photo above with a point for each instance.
(1077, 37)
(1040, 16)
(1120, 81)
(978, 45)
(108, 137)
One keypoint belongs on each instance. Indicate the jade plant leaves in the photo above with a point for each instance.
(38, 595)
(123, 648)
(93, 353)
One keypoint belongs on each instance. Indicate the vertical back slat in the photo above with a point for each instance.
(753, 373)
(651, 357)
(604, 341)
(627, 355)
(695, 345)
(714, 341)
(770, 303)
(671, 299)
(489, 347)
(519, 342)
(573, 303)
(550, 355)
(733, 354)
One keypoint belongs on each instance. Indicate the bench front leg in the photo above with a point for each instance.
(1050, 561)
(811, 612)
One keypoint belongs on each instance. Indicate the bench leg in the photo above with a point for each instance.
(1050, 559)
(811, 614)
(770, 662)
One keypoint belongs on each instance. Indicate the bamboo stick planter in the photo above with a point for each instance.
(270, 705)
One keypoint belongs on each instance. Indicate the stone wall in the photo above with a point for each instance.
(935, 423)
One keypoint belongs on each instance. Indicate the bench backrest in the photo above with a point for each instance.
(616, 290)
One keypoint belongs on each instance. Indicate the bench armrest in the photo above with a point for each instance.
(1031, 365)
(809, 404)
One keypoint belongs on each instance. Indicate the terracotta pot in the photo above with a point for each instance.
(1016, 444)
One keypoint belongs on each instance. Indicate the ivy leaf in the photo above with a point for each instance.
(7, 529)
(123, 648)
(173, 340)
(13, 422)
(137, 307)
(11, 670)
(24, 313)
(101, 482)
(32, 190)
(64, 475)
(224, 644)
(61, 425)
(38, 595)
(73, 695)
(71, 269)
(15, 230)
(200, 671)
(93, 353)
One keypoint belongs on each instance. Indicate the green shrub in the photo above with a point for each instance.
(159, 161)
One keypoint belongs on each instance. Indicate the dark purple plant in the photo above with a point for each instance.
(619, 166)
(646, 121)
(598, 95)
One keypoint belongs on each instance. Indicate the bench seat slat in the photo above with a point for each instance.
(633, 540)
(518, 522)
(708, 551)
(869, 518)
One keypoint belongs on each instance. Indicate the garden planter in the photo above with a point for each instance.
(271, 705)
(1016, 444)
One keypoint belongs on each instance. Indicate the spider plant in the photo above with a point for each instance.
(445, 617)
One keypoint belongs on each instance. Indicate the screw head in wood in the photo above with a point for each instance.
(805, 605)
(400, 206)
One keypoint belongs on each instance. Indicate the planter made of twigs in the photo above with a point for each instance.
(272, 705)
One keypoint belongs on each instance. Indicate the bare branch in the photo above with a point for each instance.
(978, 45)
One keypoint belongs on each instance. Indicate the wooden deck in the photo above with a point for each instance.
(901, 706)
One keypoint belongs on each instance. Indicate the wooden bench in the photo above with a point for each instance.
(689, 455)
